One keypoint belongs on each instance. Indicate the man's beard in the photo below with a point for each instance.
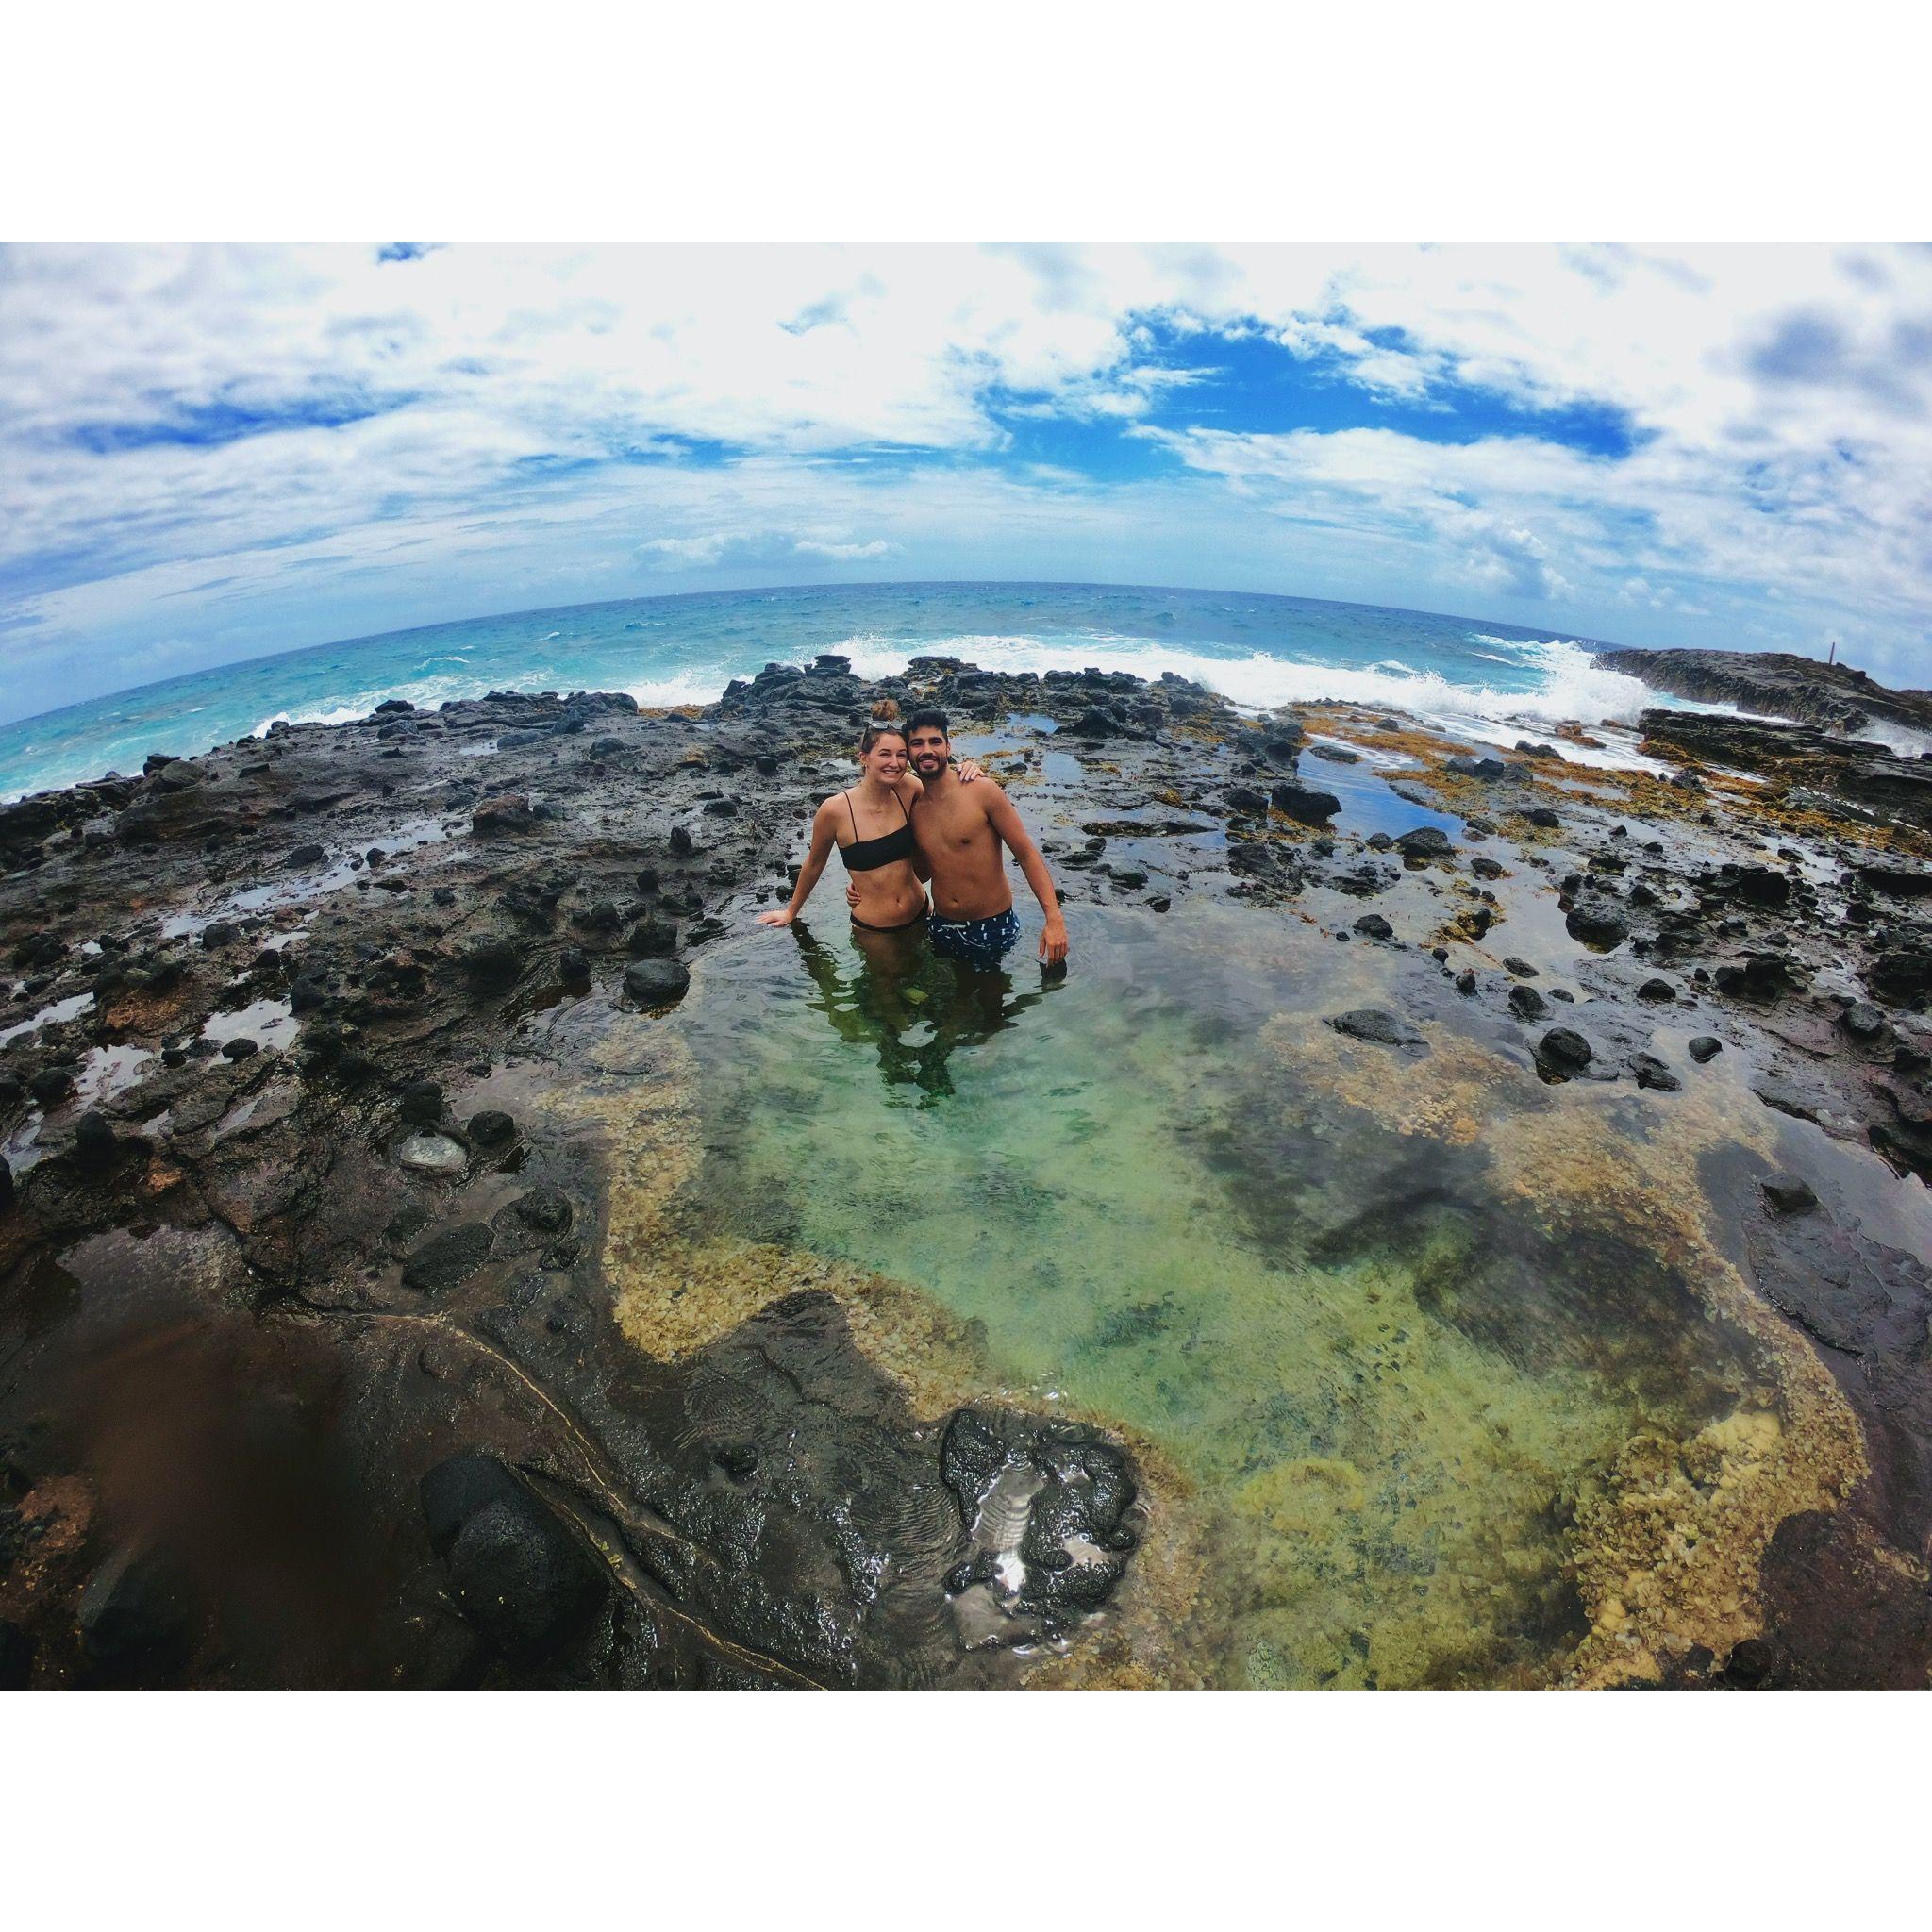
(935, 762)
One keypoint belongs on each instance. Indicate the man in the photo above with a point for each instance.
(963, 834)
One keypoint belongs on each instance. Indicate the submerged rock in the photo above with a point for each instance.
(1788, 1194)
(432, 1154)
(1372, 1023)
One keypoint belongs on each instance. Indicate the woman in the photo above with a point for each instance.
(872, 825)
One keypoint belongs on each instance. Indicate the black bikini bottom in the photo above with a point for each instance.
(905, 926)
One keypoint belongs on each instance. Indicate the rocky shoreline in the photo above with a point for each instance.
(323, 1356)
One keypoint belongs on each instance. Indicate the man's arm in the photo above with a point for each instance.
(822, 824)
(1014, 836)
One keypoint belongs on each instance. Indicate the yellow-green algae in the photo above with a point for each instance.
(1165, 1196)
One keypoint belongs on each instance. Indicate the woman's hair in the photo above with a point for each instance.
(881, 728)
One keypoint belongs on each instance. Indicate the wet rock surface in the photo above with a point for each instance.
(351, 1295)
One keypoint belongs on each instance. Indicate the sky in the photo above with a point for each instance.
(211, 453)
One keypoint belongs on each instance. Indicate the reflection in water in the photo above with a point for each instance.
(913, 1007)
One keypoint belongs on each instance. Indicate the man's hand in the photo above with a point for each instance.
(783, 916)
(852, 895)
(1053, 940)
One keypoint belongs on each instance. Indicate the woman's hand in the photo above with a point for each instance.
(971, 769)
(783, 916)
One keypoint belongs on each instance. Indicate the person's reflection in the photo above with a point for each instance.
(913, 1008)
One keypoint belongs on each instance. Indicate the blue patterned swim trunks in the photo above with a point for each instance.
(977, 941)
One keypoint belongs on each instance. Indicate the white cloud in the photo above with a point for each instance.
(845, 553)
(412, 424)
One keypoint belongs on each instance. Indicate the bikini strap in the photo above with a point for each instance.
(903, 813)
(851, 814)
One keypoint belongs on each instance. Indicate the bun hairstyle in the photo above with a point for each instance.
(880, 728)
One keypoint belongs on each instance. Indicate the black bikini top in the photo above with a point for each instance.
(868, 854)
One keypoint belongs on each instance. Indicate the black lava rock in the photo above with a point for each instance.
(653, 939)
(1372, 925)
(1526, 1003)
(1564, 1048)
(1706, 1046)
(423, 1102)
(1863, 1021)
(1788, 1195)
(449, 1258)
(1597, 923)
(1425, 843)
(1653, 1072)
(135, 1626)
(16, 1656)
(545, 1208)
(493, 964)
(656, 982)
(493, 1128)
(1372, 1023)
(516, 1573)
(1304, 804)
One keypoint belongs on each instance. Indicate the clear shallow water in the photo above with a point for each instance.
(1258, 650)
(1423, 1340)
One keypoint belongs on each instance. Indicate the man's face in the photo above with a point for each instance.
(931, 751)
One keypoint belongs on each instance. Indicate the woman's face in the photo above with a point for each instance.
(886, 760)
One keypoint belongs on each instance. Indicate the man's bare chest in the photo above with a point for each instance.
(951, 826)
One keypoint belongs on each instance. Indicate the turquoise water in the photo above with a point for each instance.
(1426, 1353)
(1258, 650)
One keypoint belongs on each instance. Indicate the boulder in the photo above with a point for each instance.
(1425, 843)
(423, 1102)
(1565, 1049)
(516, 1573)
(510, 812)
(1304, 804)
(656, 982)
(1597, 923)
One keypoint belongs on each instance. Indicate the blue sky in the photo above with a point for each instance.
(211, 453)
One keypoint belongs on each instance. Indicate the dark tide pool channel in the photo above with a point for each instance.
(1423, 1338)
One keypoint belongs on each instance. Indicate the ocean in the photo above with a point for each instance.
(1488, 680)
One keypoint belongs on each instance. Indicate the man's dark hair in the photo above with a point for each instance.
(930, 720)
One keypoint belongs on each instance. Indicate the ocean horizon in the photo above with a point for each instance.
(1478, 675)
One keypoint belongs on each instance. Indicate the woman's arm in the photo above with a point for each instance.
(823, 821)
